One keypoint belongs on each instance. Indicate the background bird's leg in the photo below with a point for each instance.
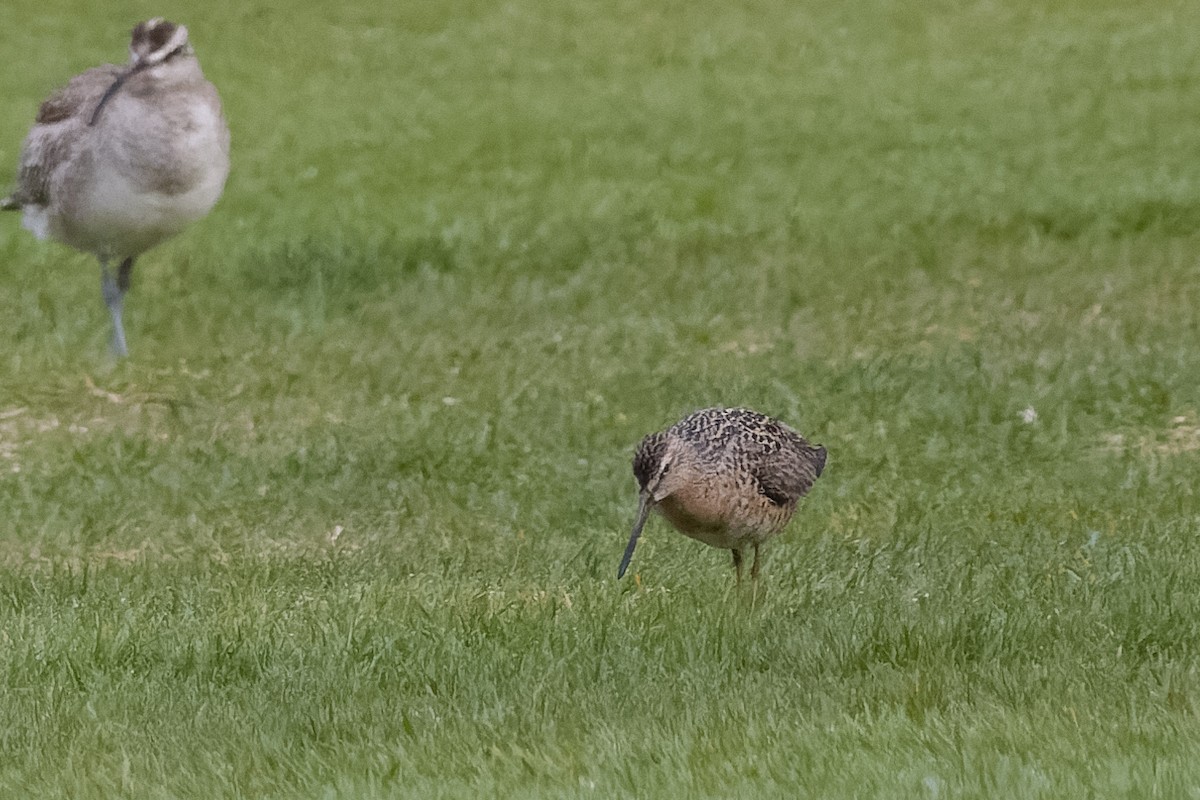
(113, 289)
(125, 275)
(754, 568)
(737, 564)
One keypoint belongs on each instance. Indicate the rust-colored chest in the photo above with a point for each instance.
(724, 509)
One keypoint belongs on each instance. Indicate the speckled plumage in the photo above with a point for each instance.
(728, 477)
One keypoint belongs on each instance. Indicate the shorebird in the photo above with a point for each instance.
(729, 477)
(122, 158)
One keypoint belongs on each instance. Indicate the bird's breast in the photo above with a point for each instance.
(700, 514)
(724, 514)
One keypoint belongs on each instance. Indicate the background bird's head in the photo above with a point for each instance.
(157, 40)
(153, 43)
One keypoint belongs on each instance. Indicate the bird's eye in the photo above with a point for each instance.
(665, 468)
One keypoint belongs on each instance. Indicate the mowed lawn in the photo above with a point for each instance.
(346, 524)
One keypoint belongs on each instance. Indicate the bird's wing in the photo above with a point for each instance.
(80, 96)
(58, 122)
(785, 465)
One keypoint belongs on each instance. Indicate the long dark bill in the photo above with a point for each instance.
(112, 90)
(644, 505)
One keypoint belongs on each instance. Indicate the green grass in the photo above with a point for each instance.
(347, 523)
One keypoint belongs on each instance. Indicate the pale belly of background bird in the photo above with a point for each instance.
(115, 216)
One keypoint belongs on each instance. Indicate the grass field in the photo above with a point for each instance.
(346, 524)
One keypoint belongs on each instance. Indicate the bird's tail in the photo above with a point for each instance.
(819, 455)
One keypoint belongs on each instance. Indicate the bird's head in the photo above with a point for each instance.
(660, 467)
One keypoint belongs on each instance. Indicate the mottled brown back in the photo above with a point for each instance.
(781, 461)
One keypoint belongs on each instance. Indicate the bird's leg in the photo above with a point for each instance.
(113, 290)
(737, 565)
(757, 559)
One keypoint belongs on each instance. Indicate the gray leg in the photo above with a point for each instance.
(757, 558)
(113, 290)
(737, 564)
